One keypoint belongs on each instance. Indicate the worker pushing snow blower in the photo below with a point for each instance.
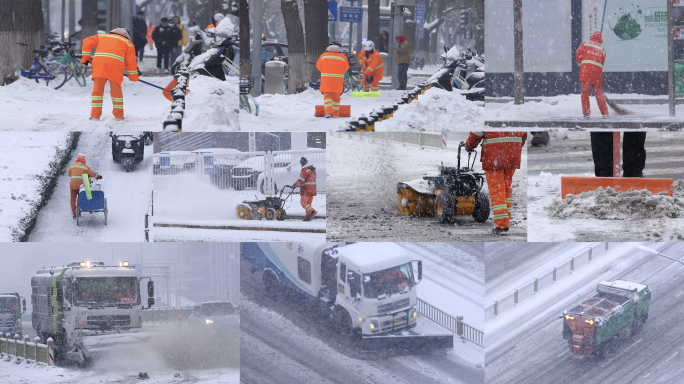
(372, 67)
(115, 55)
(501, 153)
(308, 188)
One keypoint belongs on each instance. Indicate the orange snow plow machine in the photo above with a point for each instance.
(454, 191)
(572, 185)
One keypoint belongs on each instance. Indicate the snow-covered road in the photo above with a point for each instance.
(362, 192)
(539, 354)
(569, 154)
(128, 198)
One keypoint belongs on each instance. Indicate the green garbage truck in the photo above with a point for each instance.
(617, 310)
(12, 306)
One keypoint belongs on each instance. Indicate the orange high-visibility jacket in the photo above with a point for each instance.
(591, 56)
(373, 62)
(307, 181)
(333, 66)
(500, 150)
(76, 172)
(114, 55)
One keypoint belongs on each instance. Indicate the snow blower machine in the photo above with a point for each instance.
(271, 208)
(454, 191)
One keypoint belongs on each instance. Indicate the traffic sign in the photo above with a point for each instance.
(420, 19)
(332, 11)
(351, 14)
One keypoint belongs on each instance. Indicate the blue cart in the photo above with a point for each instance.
(98, 203)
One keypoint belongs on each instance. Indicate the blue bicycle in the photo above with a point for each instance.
(52, 73)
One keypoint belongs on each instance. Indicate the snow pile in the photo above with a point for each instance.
(227, 25)
(611, 205)
(29, 164)
(212, 104)
(436, 110)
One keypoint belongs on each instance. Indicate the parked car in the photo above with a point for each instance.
(173, 165)
(214, 314)
(246, 174)
(220, 166)
(278, 50)
(289, 174)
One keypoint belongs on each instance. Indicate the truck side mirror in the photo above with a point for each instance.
(150, 302)
(23, 304)
(150, 289)
(420, 270)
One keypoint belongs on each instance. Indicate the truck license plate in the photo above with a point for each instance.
(395, 321)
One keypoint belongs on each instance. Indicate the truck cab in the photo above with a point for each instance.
(12, 306)
(85, 299)
(376, 285)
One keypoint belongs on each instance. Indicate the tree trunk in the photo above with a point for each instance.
(374, 22)
(89, 18)
(8, 44)
(295, 46)
(518, 67)
(316, 24)
(245, 67)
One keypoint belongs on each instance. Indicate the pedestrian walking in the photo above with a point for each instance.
(165, 37)
(139, 35)
(403, 60)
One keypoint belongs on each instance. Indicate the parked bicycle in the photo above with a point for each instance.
(52, 73)
(71, 60)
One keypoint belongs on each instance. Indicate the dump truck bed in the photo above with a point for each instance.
(594, 307)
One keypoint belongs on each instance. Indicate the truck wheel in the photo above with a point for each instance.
(482, 207)
(444, 208)
(343, 322)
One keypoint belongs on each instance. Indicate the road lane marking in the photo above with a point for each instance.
(679, 294)
(623, 351)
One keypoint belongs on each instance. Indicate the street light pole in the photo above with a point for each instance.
(257, 18)
(670, 56)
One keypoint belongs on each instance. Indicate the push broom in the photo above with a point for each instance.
(613, 105)
(575, 185)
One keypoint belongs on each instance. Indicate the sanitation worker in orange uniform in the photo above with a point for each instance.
(591, 56)
(76, 172)
(500, 158)
(307, 184)
(114, 55)
(333, 64)
(371, 64)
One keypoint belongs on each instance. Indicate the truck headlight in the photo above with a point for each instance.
(413, 315)
(374, 326)
(209, 321)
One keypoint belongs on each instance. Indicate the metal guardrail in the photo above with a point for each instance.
(530, 289)
(422, 139)
(165, 315)
(27, 350)
(454, 324)
(234, 170)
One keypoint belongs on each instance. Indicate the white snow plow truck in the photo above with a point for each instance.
(366, 289)
(86, 307)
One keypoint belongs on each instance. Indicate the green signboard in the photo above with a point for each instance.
(679, 78)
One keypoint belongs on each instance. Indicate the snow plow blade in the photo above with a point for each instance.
(408, 342)
(577, 185)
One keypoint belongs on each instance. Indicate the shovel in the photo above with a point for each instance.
(575, 185)
(145, 82)
(370, 95)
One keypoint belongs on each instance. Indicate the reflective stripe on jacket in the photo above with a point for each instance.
(76, 172)
(373, 62)
(307, 181)
(333, 66)
(591, 56)
(114, 55)
(500, 150)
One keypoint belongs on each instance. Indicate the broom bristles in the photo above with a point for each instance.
(617, 108)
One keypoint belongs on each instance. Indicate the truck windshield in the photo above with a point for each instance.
(9, 304)
(388, 281)
(106, 291)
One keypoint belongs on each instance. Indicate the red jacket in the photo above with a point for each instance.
(500, 150)
(591, 56)
(307, 181)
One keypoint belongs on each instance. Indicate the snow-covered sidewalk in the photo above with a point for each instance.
(211, 105)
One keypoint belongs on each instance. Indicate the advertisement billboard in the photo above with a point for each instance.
(634, 32)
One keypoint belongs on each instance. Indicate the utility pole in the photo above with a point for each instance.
(257, 18)
(63, 16)
(359, 32)
(518, 70)
(395, 29)
(72, 18)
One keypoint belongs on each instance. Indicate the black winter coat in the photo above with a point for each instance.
(139, 32)
(170, 34)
